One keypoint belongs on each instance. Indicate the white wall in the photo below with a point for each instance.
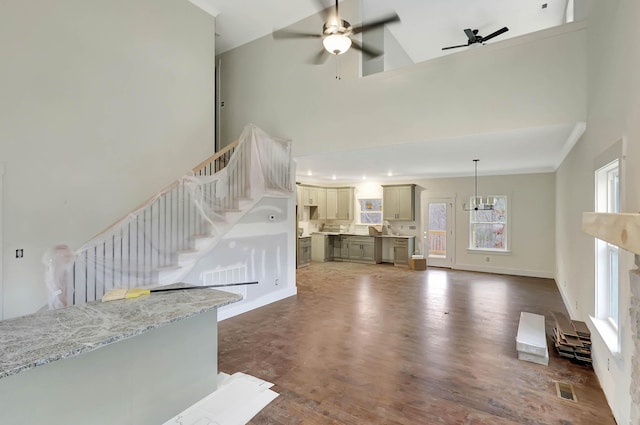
(531, 218)
(255, 249)
(525, 82)
(103, 104)
(613, 110)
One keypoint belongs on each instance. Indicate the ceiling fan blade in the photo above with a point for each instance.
(284, 34)
(470, 35)
(373, 53)
(319, 58)
(377, 23)
(495, 34)
(455, 47)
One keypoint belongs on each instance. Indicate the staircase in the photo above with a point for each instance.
(159, 242)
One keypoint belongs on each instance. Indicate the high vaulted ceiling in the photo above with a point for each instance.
(426, 26)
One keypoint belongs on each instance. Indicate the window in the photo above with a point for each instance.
(488, 228)
(370, 211)
(607, 199)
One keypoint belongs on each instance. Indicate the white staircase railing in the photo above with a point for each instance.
(158, 242)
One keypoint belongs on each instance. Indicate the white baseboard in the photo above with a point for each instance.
(232, 310)
(567, 304)
(501, 270)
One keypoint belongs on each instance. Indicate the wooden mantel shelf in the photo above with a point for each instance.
(621, 229)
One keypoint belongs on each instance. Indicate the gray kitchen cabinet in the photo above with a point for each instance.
(345, 203)
(304, 252)
(403, 249)
(339, 203)
(320, 212)
(321, 248)
(309, 197)
(344, 248)
(337, 247)
(366, 249)
(315, 198)
(398, 202)
(332, 203)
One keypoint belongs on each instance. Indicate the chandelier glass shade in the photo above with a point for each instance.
(478, 203)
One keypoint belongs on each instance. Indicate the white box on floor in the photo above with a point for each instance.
(528, 357)
(532, 338)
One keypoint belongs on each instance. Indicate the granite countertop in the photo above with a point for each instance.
(37, 339)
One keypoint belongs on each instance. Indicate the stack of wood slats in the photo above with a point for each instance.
(572, 338)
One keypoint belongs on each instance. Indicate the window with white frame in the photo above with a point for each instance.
(607, 197)
(370, 211)
(488, 228)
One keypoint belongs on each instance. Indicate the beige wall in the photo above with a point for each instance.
(613, 59)
(531, 210)
(103, 104)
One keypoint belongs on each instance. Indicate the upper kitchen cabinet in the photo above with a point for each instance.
(315, 198)
(398, 202)
(340, 203)
(311, 195)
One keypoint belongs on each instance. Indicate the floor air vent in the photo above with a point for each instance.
(565, 391)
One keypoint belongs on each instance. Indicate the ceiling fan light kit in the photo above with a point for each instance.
(336, 44)
(479, 203)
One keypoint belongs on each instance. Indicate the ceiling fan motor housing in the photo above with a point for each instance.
(331, 27)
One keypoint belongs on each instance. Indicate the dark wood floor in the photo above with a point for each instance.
(364, 344)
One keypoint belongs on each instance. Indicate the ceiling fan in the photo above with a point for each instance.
(337, 34)
(474, 38)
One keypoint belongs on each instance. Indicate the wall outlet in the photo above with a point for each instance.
(19, 253)
(277, 282)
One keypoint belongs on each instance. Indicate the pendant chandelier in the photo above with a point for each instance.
(479, 203)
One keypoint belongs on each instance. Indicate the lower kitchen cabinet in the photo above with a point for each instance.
(304, 252)
(361, 249)
(340, 247)
(322, 248)
(365, 249)
(403, 248)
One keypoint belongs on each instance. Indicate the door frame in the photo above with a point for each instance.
(448, 198)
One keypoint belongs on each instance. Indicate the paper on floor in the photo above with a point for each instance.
(239, 398)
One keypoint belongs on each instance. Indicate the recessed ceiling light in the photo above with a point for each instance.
(390, 174)
(309, 173)
(364, 177)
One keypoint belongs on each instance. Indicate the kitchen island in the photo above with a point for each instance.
(137, 361)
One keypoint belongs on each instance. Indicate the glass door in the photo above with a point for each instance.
(438, 231)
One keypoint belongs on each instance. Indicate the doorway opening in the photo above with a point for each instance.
(438, 231)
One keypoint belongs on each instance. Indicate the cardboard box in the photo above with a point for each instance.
(418, 263)
(375, 230)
